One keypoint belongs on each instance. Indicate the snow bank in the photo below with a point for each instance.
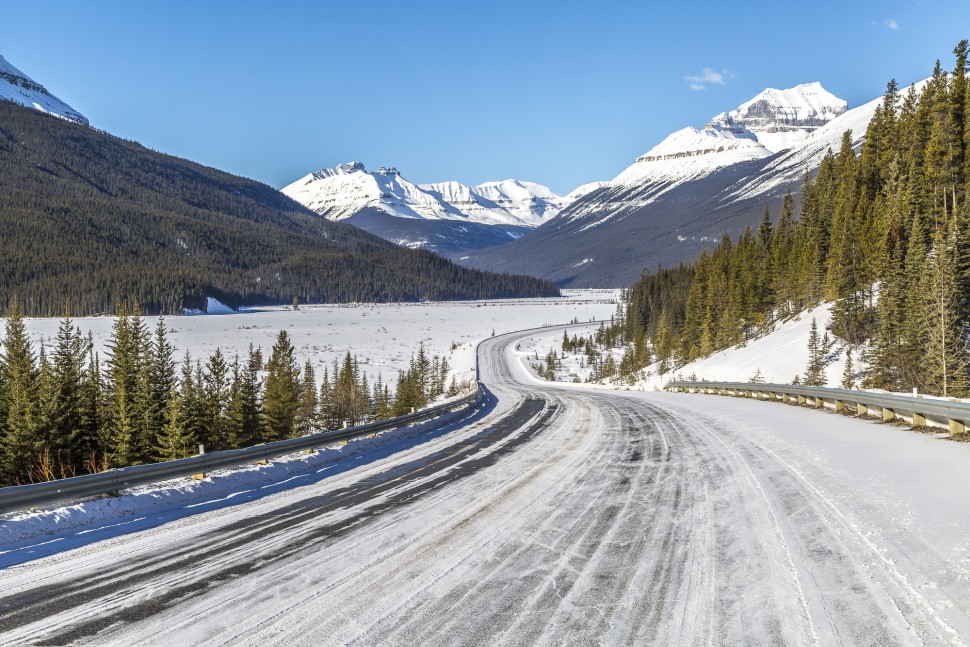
(23, 534)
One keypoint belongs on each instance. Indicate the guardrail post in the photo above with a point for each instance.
(839, 406)
(861, 409)
(957, 427)
(919, 420)
(888, 414)
(200, 476)
(819, 403)
(785, 398)
(747, 393)
(802, 399)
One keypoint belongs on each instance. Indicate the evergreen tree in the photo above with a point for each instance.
(815, 371)
(126, 392)
(307, 410)
(215, 401)
(848, 374)
(175, 439)
(245, 419)
(18, 406)
(282, 391)
(65, 404)
(160, 382)
(946, 351)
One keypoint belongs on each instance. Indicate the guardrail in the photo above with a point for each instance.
(917, 410)
(19, 497)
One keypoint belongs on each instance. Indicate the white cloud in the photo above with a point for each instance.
(708, 77)
(891, 24)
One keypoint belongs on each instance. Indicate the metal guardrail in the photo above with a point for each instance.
(19, 497)
(887, 405)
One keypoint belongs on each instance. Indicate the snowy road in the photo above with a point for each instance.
(566, 516)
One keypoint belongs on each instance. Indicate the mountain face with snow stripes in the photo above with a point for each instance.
(447, 217)
(17, 87)
(686, 192)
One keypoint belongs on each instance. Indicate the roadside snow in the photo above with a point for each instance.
(27, 535)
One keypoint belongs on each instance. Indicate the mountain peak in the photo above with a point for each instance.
(342, 192)
(17, 87)
(780, 119)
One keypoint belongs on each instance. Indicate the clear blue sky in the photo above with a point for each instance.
(558, 93)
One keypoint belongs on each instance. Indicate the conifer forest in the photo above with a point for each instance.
(883, 233)
(65, 411)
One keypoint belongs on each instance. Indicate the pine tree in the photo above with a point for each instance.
(68, 373)
(215, 400)
(245, 419)
(282, 391)
(126, 412)
(815, 371)
(946, 351)
(160, 383)
(848, 374)
(92, 454)
(18, 376)
(382, 399)
(175, 439)
(307, 414)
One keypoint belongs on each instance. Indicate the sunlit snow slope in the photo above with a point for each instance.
(686, 192)
(19, 88)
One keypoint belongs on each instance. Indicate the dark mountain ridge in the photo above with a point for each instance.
(91, 221)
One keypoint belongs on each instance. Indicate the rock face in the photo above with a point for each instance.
(686, 192)
(447, 217)
(781, 119)
(17, 87)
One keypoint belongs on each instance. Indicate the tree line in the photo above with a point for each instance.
(90, 221)
(65, 412)
(883, 233)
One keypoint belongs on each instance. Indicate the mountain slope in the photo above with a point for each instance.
(686, 192)
(91, 221)
(443, 216)
(17, 87)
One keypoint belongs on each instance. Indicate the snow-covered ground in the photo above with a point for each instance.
(576, 517)
(383, 336)
(30, 534)
(778, 356)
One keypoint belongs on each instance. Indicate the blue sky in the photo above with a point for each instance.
(558, 93)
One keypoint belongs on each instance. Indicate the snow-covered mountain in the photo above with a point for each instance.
(773, 121)
(444, 216)
(685, 192)
(17, 87)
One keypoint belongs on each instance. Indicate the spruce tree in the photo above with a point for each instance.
(215, 402)
(18, 406)
(815, 371)
(245, 419)
(946, 350)
(66, 436)
(282, 390)
(307, 414)
(848, 374)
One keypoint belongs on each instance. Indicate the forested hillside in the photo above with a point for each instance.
(883, 233)
(90, 221)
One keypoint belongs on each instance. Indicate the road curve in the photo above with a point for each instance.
(565, 516)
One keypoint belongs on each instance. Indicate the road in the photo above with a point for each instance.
(565, 516)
